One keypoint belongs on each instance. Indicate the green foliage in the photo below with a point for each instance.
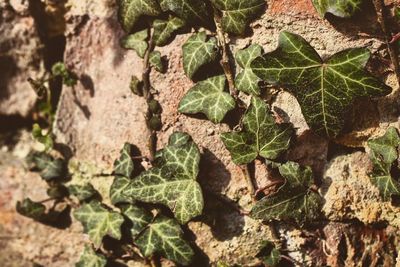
(324, 89)
(164, 29)
(269, 254)
(156, 61)
(118, 188)
(138, 216)
(131, 10)
(31, 209)
(82, 192)
(208, 97)
(124, 164)
(340, 8)
(179, 139)
(136, 86)
(198, 51)
(295, 200)
(384, 156)
(68, 77)
(191, 11)
(49, 168)
(260, 136)
(237, 14)
(137, 42)
(98, 222)
(90, 258)
(246, 81)
(45, 139)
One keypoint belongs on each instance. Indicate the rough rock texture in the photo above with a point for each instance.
(20, 57)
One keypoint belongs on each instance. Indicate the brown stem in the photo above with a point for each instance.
(247, 176)
(382, 19)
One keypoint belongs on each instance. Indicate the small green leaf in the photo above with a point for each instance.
(208, 97)
(339, 8)
(131, 10)
(269, 254)
(164, 236)
(124, 164)
(384, 155)
(118, 188)
(237, 14)
(179, 139)
(198, 51)
(82, 192)
(136, 86)
(293, 201)
(165, 29)
(31, 209)
(261, 136)
(156, 61)
(45, 139)
(246, 81)
(69, 78)
(49, 167)
(137, 42)
(98, 221)
(139, 218)
(326, 89)
(191, 11)
(90, 258)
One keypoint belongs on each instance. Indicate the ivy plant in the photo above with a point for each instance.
(340, 8)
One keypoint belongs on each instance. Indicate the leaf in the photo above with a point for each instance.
(198, 51)
(139, 218)
(124, 164)
(260, 136)
(339, 8)
(293, 201)
(31, 209)
(98, 222)
(237, 14)
(164, 237)
(90, 258)
(384, 156)
(82, 192)
(208, 97)
(137, 42)
(191, 11)
(179, 139)
(165, 29)
(324, 89)
(136, 86)
(131, 10)
(246, 81)
(173, 183)
(156, 61)
(69, 78)
(269, 254)
(118, 188)
(49, 167)
(45, 139)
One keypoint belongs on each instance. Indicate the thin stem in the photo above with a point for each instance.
(381, 14)
(247, 176)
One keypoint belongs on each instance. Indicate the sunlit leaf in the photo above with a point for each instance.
(90, 258)
(156, 61)
(340, 8)
(137, 42)
(139, 217)
(124, 164)
(82, 192)
(131, 10)
(191, 11)
(45, 139)
(164, 29)
(246, 81)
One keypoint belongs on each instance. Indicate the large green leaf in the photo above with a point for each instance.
(138, 216)
(324, 89)
(246, 81)
(164, 236)
(131, 10)
(384, 157)
(173, 183)
(293, 201)
(237, 14)
(137, 42)
(98, 221)
(340, 8)
(260, 136)
(117, 190)
(192, 11)
(198, 51)
(124, 164)
(208, 97)
(90, 258)
(165, 29)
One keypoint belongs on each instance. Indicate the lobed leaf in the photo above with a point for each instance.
(208, 97)
(90, 258)
(137, 42)
(339, 8)
(165, 29)
(82, 192)
(139, 217)
(324, 89)
(156, 61)
(31, 209)
(49, 168)
(260, 136)
(198, 51)
(124, 164)
(131, 10)
(191, 11)
(117, 190)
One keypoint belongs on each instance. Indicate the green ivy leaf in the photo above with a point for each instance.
(136, 86)
(45, 139)
(173, 183)
(237, 14)
(31, 209)
(269, 254)
(90, 258)
(165, 29)
(384, 156)
(118, 188)
(164, 236)
(124, 164)
(339, 8)
(131, 10)
(156, 61)
(137, 42)
(49, 167)
(82, 192)
(191, 11)
(246, 81)
(139, 218)
(179, 139)
(261, 136)
(98, 222)
(198, 51)
(293, 201)
(69, 78)
(208, 97)
(324, 89)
